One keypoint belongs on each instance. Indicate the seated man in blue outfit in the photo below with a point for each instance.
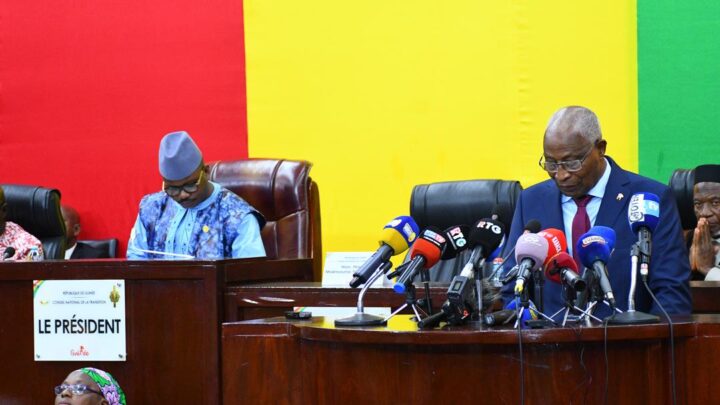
(193, 218)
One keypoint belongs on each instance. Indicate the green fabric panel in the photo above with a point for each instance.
(678, 85)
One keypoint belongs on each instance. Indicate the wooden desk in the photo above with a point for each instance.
(705, 296)
(173, 313)
(265, 300)
(312, 362)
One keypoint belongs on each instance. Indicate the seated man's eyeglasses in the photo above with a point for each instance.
(75, 389)
(174, 191)
(570, 166)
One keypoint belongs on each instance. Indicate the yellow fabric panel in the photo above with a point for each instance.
(383, 95)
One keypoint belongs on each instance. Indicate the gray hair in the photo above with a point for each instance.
(577, 119)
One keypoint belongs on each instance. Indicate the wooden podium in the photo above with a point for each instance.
(312, 362)
(173, 313)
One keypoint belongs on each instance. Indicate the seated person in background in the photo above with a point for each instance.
(24, 245)
(193, 217)
(89, 386)
(587, 188)
(705, 239)
(75, 249)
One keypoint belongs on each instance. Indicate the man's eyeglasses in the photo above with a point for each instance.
(174, 191)
(75, 389)
(570, 166)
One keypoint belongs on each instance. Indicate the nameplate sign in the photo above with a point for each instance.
(340, 266)
(79, 320)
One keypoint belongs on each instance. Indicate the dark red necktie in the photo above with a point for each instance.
(580, 225)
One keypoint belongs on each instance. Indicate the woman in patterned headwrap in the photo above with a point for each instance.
(89, 386)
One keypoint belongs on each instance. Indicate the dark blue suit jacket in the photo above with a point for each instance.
(669, 266)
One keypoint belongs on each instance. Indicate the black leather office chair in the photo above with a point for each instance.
(461, 202)
(106, 245)
(37, 210)
(682, 182)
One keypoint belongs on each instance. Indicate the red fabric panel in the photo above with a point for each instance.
(88, 88)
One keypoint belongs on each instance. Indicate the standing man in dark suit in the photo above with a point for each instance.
(586, 182)
(75, 249)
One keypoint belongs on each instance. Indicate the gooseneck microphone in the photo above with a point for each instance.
(396, 237)
(594, 252)
(9, 252)
(426, 251)
(643, 217)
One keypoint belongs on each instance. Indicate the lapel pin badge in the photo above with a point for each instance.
(620, 196)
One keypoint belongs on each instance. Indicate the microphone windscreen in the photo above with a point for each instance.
(607, 233)
(487, 233)
(502, 213)
(643, 211)
(399, 233)
(562, 260)
(533, 226)
(556, 242)
(457, 241)
(592, 247)
(429, 245)
(498, 251)
(531, 246)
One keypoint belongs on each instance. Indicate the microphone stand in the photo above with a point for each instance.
(425, 277)
(361, 318)
(411, 301)
(587, 299)
(524, 305)
(538, 282)
(638, 253)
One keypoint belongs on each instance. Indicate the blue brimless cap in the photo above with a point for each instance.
(179, 156)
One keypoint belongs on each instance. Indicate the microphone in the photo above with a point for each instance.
(594, 252)
(502, 213)
(643, 217)
(562, 269)
(499, 317)
(532, 226)
(9, 252)
(530, 252)
(395, 238)
(457, 241)
(556, 242)
(424, 254)
(485, 237)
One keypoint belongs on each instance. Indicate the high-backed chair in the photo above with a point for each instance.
(682, 182)
(461, 203)
(37, 210)
(106, 245)
(288, 198)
